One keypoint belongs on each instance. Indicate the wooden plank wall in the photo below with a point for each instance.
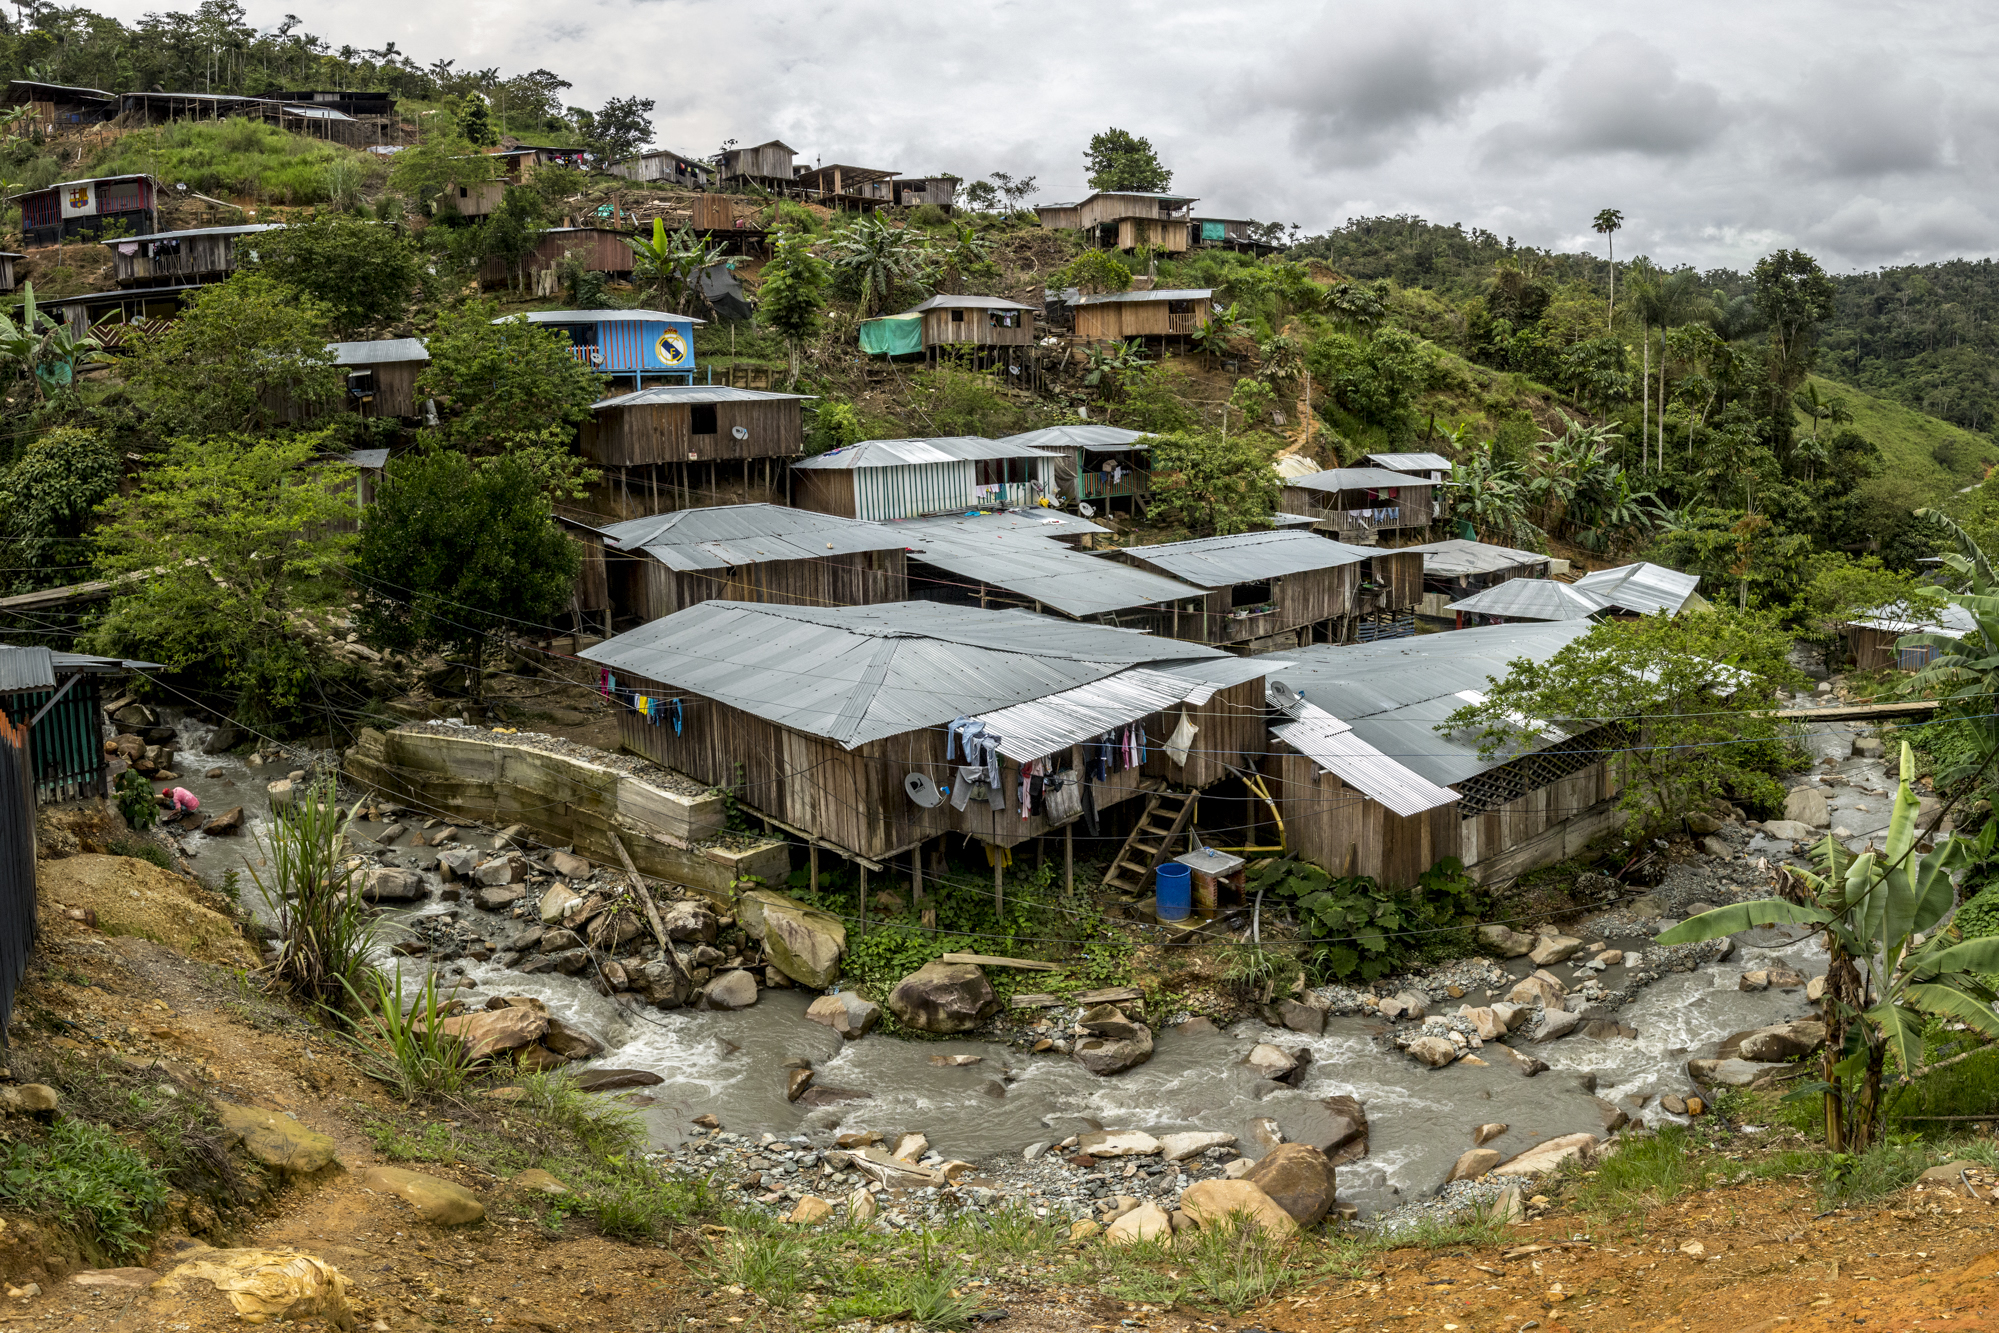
(1137, 319)
(1400, 574)
(1346, 833)
(824, 490)
(639, 492)
(1497, 830)
(395, 389)
(861, 579)
(1155, 232)
(855, 798)
(661, 433)
(592, 591)
(198, 255)
(976, 328)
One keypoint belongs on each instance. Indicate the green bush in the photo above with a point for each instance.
(1353, 927)
(84, 1177)
(140, 848)
(135, 800)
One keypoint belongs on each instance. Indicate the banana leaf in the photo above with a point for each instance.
(1738, 917)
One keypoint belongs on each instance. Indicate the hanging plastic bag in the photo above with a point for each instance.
(1182, 738)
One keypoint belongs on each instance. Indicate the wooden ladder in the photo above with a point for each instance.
(1167, 814)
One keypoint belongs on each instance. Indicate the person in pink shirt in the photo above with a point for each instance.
(182, 799)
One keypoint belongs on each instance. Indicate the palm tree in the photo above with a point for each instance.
(1607, 222)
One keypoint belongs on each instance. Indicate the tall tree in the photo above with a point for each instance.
(621, 128)
(1794, 296)
(364, 273)
(793, 293)
(1212, 485)
(453, 554)
(1122, 161)
(1606, 223)
(245, 355)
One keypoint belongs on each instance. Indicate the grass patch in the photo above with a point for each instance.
(242, 157)
(140, 848)
(1925, 453)
(1849, 1178)
(1647, 1170)
(407, 1050)
(84, 1177)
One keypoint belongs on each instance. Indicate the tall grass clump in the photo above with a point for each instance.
(406, 1048)
(89, 1180)
(324, 934)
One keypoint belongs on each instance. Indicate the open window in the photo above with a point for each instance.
(702, 419)
(1006, 319)
(1250, 594)
(1179, 307)
(957, 317)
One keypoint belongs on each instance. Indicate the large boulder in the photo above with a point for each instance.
(386, 885)
(1790, 830)
(438, 1202)
(1148, 1221)
(846, 1013)
(1556, 1023)
(1552, 949)
(1475, 1163)
(1272, 1062)
(803, 943)
(1540, 988)
(1489, 1025)
(1213, 1203)
(1107, 1020)
(1435, 1052)
(1783, 1041)
(275, 1139)
(1192, 1143)
(492, 1031)
(659, 983)
(1807, 806)
(1545, 1157)
(569, 1041)
(1299, 1179)
(1118, 1143)
(732, 990)
(946, 997)
(688, 922)
(1105, 1056)
(1504, 940)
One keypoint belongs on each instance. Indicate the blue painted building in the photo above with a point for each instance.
(642, 346)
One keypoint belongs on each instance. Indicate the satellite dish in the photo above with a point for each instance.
(1282, 696)
(921, 790)
(740, 432)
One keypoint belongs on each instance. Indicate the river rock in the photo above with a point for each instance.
(846, 1013)
(459, 863)
(1309, 1019)
(1404, 1004)
(386, 885)
(1238, 1167)
(227, 824)
(1515, 1016)
(438, 1202)
(603, 1079)
(1545, 1157)
(495, 899)
(1213, 1203)
(556, 941)
(796, 1082)
(569, 865)
(1505, 941)
(1488, 1025)
(1105, 1056)
(537, 1181)
(1107, 1020)
(1475, 1163)
(493, 1031)
(1528, 1065)
(732, 990)
(1192, 1143)
(275, 1139)
(1815, 988)
(1744, 1073)
(1613, 1116)
(946, 997)
(1270, 1061)
(1788, 830)
(688, 922)
(1434, 1051)
(803, 943)
(1552, 949)
(660, 983)
(1785, 978)
(1486, 1133)
(1757, 980)
(499, 870)
(613, 930)
(1118, 1143)
(570, 1041)
(1782, 1041)
(1267, 1132)
(1148, 1221)
(1299, 1179)
(556, 903)
(1539, 988)
(1556, 1023)
(1867, 747)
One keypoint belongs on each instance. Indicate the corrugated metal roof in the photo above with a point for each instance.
(1046, 571)
(1357, 479)
(600, 317)
(1333, 746)
(1062, 438)
(1246, 557)
(1532, 599)
(1644, 588)
(378, 351)
(243, 230)
(726, 536)
(1406, 462)
(665, 395)
(966, 303)
(1948, 618)
(1159, 294)
(856, 674)
(900, 453)
(1457, 556)
(373, 459)
(1036, 521)
(1219, 673)
(1394, 691)
(26, 669)
(1056, 721)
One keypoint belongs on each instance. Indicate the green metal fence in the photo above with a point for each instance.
(66, 748)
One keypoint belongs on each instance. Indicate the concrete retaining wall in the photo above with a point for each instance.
(564, 800)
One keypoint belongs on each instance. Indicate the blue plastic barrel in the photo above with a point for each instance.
(1174, 891)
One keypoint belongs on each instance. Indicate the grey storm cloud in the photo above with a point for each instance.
(1864, 133)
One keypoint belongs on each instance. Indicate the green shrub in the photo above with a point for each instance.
(84, 1177)
(1356, 928)
(324, 932)
(135, 800)
(929, 215)
(140, 848)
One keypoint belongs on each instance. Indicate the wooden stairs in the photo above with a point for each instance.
(1167, 815)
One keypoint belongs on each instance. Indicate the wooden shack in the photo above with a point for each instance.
(916, 191)
(598, 248)
(1266, 591)
(1875, 639)
(955, 322)
(1126, 219)
(304, 118)
(1456, 568)
(1391, 588)
(87, 207)
(7, 274)
(57, 697)
(55, 108)
(664, 166)
(888, 479)
(750, 553)
(843, 187)
(1365, 785)
(590, 596)
(1361, 502)
(170, 258)
(688, 446)
(1238, 234)
(767, 164)
(381, 375)
(1163, 313)
(642, 345)
(818, 718)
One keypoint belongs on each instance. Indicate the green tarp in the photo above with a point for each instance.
(892, 335)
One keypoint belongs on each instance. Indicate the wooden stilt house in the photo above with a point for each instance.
(1167, 312)
(885, 479)
(1361, 502)
(1096, 465)
(1126, 219)
(1266, 591)
(688, 446)
(171, 258)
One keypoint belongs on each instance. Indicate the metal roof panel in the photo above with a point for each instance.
(1400, 462)
(900, 453)
(1643, 587)
(666, 395)
(1458, 556)
(1533, 599)
(1356, 479)
(378, 351)
(727, 536)
(1246, 557)
(1047, 571)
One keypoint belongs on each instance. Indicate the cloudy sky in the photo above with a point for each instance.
(1866, 133)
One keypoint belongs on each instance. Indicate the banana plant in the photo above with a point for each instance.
(41, 349)
(674, 262)
(1892, 970)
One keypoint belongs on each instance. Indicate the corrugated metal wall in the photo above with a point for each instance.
(912, 489)
(67, 749)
